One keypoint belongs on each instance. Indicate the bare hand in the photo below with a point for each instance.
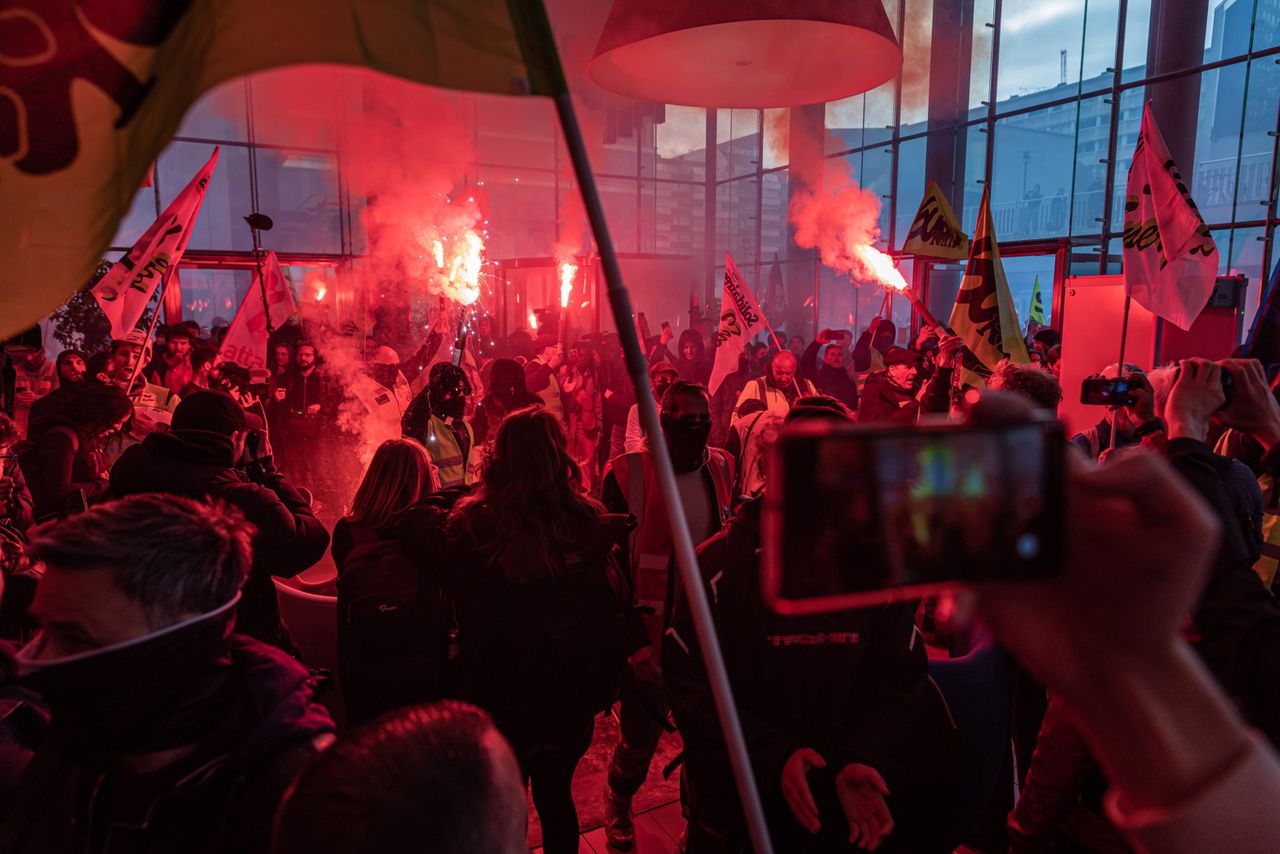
(862, 791)
(644, 664)
(1195, 397)
(313, 409)
(795, 787)
(1253, 408)
(667, 335)
(950, 351)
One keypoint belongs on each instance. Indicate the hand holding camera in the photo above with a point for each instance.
(1252, 408)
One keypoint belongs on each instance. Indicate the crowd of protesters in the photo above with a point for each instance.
(505, 575)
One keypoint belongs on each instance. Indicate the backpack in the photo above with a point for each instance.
(393, 629)
(567, 629)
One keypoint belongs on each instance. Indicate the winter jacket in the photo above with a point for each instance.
(60, 462)
(835, 382)
(220, 798)
(854, 686)
(197, 464)
(723, 403)
(779, 400)
(541, 380)
(884, 400)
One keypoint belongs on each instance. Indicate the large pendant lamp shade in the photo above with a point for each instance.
(745, 53)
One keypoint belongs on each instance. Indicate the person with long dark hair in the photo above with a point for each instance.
(393, 617)
(64, 452)
(544, 630)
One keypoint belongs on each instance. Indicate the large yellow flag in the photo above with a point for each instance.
(935, 232)
(96, 89)
(984, 315)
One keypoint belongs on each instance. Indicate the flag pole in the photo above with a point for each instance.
(261, 222)
(543, 60)
(1124, 339)
(151, 328)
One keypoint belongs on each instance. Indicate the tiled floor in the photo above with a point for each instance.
(656, 833)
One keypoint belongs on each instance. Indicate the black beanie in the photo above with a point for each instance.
(209, 410)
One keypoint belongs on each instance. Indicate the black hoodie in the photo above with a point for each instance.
(197, 464)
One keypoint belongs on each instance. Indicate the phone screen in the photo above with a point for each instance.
(858, 516)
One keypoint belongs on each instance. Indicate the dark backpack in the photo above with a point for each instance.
(568, 629)
(393, 629)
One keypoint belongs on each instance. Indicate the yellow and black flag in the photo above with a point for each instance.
(1035, 315)
(935, 232)
(102, 86)
(984, 315)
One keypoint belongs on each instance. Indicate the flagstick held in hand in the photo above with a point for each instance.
(259, 222)
(151, 329)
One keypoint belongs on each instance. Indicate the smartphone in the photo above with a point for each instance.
(1103, 391)
(861, 515)
(666, 326)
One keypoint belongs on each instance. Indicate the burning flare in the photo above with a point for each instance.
(567, 273)
(458, 259)
(880, 266)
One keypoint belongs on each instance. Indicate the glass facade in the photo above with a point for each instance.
(1038, 102)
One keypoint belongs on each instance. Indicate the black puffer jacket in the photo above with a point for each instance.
(854, 686)
(220, 798)
(197, 464)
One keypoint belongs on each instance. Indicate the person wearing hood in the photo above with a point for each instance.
(507, 392)
(70, 374)
(209, 453)
(65, 457)
(704, 476)
(692, 361)
(167, 731)
(435, 419)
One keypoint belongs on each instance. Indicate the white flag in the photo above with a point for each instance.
(246, 341)
(127, 287)
(740, 319)
(1170, 259)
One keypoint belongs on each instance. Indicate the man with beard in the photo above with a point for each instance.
(435, 420)
(70, 376)
(173, 369)
(303, 401)
(890, 395)
(779, 388)
(704, 476)
(168, 733)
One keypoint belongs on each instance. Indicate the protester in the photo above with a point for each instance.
(211, 452)
(34, 376)
(393, 617)
(167, 732)
(384, 392)
(153, 405)
(779, 388)
(617, 396)
(890, 395)
(283, 354)
(1133, 421)
(1037, 385)
(725, 399)
(204, 370)
(831, 377)
(749, 441)
(435, 420)
(661, 377)
(437, 778)
(506, 392)
(582, 402)
(704, 476)
(70, 377)
(540, 375)
(310, 406)
(543, 635)
(796, 345)
(64, 459)
(692, 364)
(873, 344)
(847, 734)
(173, 369)
(16, 505)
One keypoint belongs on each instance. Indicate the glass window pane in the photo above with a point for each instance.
(975, 168)
(777, 138)
(673, 220)
(679, 145)
(773, 216)
(876, 175)
(1023, 271)
(1229, 29)
(1266, 26)
(1244, 256)
(1130, 123)
(984, 13)
(738, 141)
(1253, 187)
(211, 296)
(621, 212)
(299, 190)
(1039, 47)
(1090, 180)
(909, 189)
(219, 114)
(1034, 158)
(1137, 31)
(220, 224)
(1213, 182)
(522, 211)
(916, 48)
(736, 220)
(878, 119)
(1101, 26)
(515, 132)
(843, 121)
(288, 111)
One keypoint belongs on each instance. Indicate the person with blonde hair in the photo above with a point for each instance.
(394, 619)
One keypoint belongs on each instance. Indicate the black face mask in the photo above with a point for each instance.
(385, 375)
(686, 441)
(158, 692)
